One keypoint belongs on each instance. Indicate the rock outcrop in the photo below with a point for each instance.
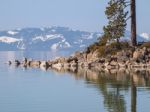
(129, 59)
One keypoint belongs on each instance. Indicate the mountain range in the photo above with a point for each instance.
(52, 38)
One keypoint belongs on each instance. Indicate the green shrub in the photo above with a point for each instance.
(101, 50)
(113, 48)
(92, 47)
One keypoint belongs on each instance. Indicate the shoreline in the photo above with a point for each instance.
(136, 59)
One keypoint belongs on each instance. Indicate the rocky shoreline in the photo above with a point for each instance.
(126, 59)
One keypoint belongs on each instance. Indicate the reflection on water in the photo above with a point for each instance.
(121, 90)
(112, 83)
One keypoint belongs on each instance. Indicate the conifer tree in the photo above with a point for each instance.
(116, 15)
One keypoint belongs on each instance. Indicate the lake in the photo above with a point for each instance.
(37, 90)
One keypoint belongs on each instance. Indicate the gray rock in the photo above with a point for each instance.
(67, 65)
(35, 63)
(44, 64)
(73, 64)
(17, 63)
(57, 65)
(9, 62)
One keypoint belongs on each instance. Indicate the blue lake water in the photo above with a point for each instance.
(36, 90)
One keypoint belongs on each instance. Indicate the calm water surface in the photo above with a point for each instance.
(36, 90)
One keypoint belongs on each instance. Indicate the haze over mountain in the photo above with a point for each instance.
(52, 38)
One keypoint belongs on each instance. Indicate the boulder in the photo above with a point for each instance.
(102, 60)
(138, 55)
(124, 53)
(77, 54)
(67, 65)
(25, 60)
(61, 60)
(73, 64)
(9, 62)
(70, 59)
(85, 56)
(110, 67)
(50, 63)
(57, 65)
(122, 65)
(44, 64)
(106, 64)
(35, 63)
(114, 63)
(148, 50)
(123, 59)
(17, 63)
(80, 64)
(119, 54)
(86, 65)
(92, 56)
(89, 57)
(96, 65)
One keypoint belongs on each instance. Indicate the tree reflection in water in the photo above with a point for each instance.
(133, 95)
(112, 83)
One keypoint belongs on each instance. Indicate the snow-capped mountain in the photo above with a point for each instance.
(9, 40)
(140, 38)
(52, 38)
(145, 36)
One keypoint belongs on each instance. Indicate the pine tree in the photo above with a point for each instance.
(116, 15)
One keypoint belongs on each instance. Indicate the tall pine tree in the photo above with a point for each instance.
(116, 16)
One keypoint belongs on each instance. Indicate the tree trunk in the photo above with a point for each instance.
(133, 23)
(133, 95)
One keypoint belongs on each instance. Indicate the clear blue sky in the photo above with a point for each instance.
(77, 14)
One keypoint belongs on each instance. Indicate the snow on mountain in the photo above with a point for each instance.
(60, 45)
(82, 45)
(145, 36)
(67, 44)
(127, 37)
(87, 36)
(12, 32)
(52, 38)
(48, 37)
(55, 46)
(42, 29)
(9, 40)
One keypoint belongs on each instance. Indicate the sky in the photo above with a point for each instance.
(87, 15)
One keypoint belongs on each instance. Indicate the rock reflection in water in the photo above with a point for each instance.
(111, 83)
